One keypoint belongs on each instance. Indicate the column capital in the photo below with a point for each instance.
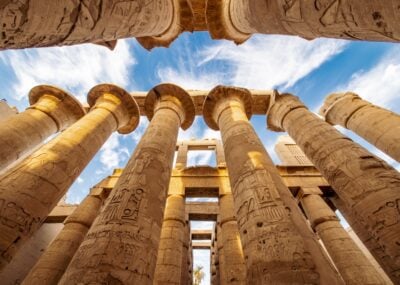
(61, 106)
(182, 21)
(220, 24)
(280, 106)
(176, 97)
(127, 117)
(212, 107)
(347, 103)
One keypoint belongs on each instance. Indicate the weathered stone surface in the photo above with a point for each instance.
(42, 23)
(51, 110)
(268, 216)
(378, 126)
(355, 20)
(185, 255)
(368, 186)
(52, 264)
(30, 190)
(121, 247)
(352, 264)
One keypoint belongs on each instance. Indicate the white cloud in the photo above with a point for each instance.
(112, 153)
(265, 62)
(80, 180)
(75, 68)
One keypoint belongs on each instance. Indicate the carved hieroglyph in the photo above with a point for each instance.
(29, 191)
(52, 264)
(170, 250)
(368, 186)
(236, 20)
(378, 126)
(121, 247)
(39, 23)
(234, 265)
(51, 110)
(278, 245)
(352, 264)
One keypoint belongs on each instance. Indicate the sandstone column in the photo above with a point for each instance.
(170, 250)
(352, 264)
(234, 266)
(278, 245)
(51, 110)
(29, 191)
(221, 277)
(185, 255)
(378, 126)
(368, 186)
(354, 20)
(121, 247)
(49, 23)
(52, 264)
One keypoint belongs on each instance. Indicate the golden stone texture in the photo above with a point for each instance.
(277, 244)
(367, 185)
(51, 110)
(121, 246)
(378, 126)
(30, 190)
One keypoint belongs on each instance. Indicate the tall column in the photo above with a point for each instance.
(52, 264)
(376, 250)
(181, 158)
(278, 245)
(222, 273)
(51, 110)
(121, 247)
(368, 186)
(352, 264)
(29, 191)
(185, 255)
(49, 23)
(235, 267)
(378, 126)
(169, 258)
(354, 20)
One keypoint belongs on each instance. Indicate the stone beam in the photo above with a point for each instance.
(202, 211)
(201, 234)
(201, 245)
(260, 99)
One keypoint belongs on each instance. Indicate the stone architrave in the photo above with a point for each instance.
(42, 23)
(170, 250)
(52, 264)
(234, 265)
(378, 126)
(367, 185)
(51, 110)
(30, 190)
(121, 247)
(352, 264)
(278, 245)
(236, 20)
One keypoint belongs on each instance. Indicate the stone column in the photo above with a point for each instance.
(235, 267)
(352, 264)
(368, 186)
(378, 126)
(219, 248)
(29, 191)
(52, 264)
(121, 247)
(51, 110)
(354, 20)
(169, 258)
(49, 23)
(181, 158)
(278, 245)
(185, 255)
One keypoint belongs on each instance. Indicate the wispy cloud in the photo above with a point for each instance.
(113, 153)
(76, 68)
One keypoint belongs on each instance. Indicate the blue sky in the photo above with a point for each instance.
(309, 69)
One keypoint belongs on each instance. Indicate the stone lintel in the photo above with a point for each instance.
(60, 213)
(201, 234)
(202, 211)
(201, 245)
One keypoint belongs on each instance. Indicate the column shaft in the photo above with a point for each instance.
(278, 245)
(29, 191)
(169, 259)
(52, 264)
(354, 20)
(378, 126)
(222, 273)
(368, 186)
(352, 264)
(185, 255)
(121, 246)
(52, 110)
